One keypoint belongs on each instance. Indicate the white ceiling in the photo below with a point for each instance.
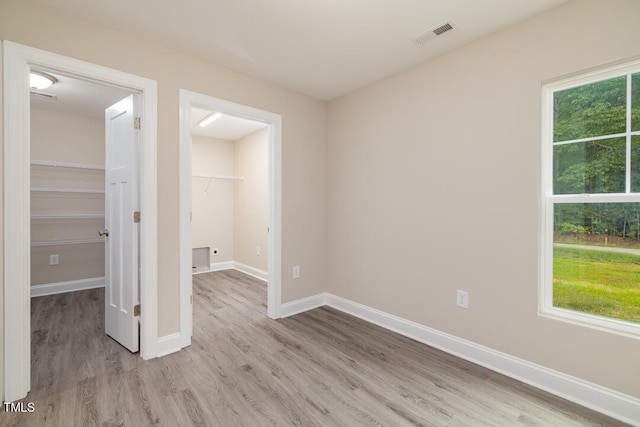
(226, 127)
(71, 95)
(79, 97)
(321, 48)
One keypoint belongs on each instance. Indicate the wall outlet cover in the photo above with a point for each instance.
(462, 299)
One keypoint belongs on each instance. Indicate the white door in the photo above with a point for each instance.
(121, 232)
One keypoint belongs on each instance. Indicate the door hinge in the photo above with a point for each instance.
(136, 310)
(136, 216)
(191, 299)
(136, 122)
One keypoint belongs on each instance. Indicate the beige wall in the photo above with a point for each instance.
(232, 215)
(251, 205)
(66, 138)
(452, 142)
(213, 216)
(303, 141)
(433, 183)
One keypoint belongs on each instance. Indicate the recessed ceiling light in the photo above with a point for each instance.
(210, 118)
(39, 80)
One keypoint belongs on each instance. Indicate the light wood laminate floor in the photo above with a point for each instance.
(320, 368)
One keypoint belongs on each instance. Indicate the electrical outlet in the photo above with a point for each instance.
(54, 259)
(215, 251)
(258, 250)
(296, 272)
(462, 299)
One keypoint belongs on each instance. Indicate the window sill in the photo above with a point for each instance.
(618, 327)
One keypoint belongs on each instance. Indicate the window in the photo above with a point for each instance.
(590, 261)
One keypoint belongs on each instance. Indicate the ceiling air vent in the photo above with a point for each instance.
(43, 95)
(434, 32)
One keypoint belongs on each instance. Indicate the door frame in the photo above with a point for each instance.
(18, 60)
(189, 100)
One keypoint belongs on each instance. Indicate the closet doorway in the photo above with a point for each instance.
(20, 201)
(230, 210)
(230, 189)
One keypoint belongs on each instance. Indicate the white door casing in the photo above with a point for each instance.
(188, 100)
(17, 61)
(121, 232)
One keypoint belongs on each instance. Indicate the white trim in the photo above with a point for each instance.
(618, 405)
(604, 72)
(548, 200)
(251, 271)
(18, 60)
(169, 344)
(219, 266)
(609, 402)
(233, 265)
(305, 304)
(70, 286)
(184, 219)
(16, 240)
(188, 100)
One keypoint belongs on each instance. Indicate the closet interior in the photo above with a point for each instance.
(229, 193)
(67, 180)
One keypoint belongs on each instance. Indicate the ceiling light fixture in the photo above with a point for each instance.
(39, 80)
(210, 118)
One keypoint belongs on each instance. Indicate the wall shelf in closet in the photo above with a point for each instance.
(66, 165)
(73, 215)
(66, 190)
(215, 176)
(66, 241)
(64, 214)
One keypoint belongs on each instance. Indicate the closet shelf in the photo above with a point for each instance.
(73, 215)
(66, 190)
(66, 165)
(214, 176)
(65, 241)
(240, 178)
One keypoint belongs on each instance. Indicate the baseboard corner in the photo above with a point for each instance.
(302, 305)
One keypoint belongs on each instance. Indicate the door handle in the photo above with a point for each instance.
(104, 233)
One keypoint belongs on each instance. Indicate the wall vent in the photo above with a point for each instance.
(434, 32)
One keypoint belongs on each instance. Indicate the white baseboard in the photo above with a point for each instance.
(302, 305)
(617, 405)
(169, 344)
(251, 271)
(219, 266)
(70, 286)
(233, 265)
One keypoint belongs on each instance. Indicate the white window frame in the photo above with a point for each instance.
(545, 298)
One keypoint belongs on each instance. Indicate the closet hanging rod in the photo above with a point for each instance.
(67, 165)
(241, 178)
